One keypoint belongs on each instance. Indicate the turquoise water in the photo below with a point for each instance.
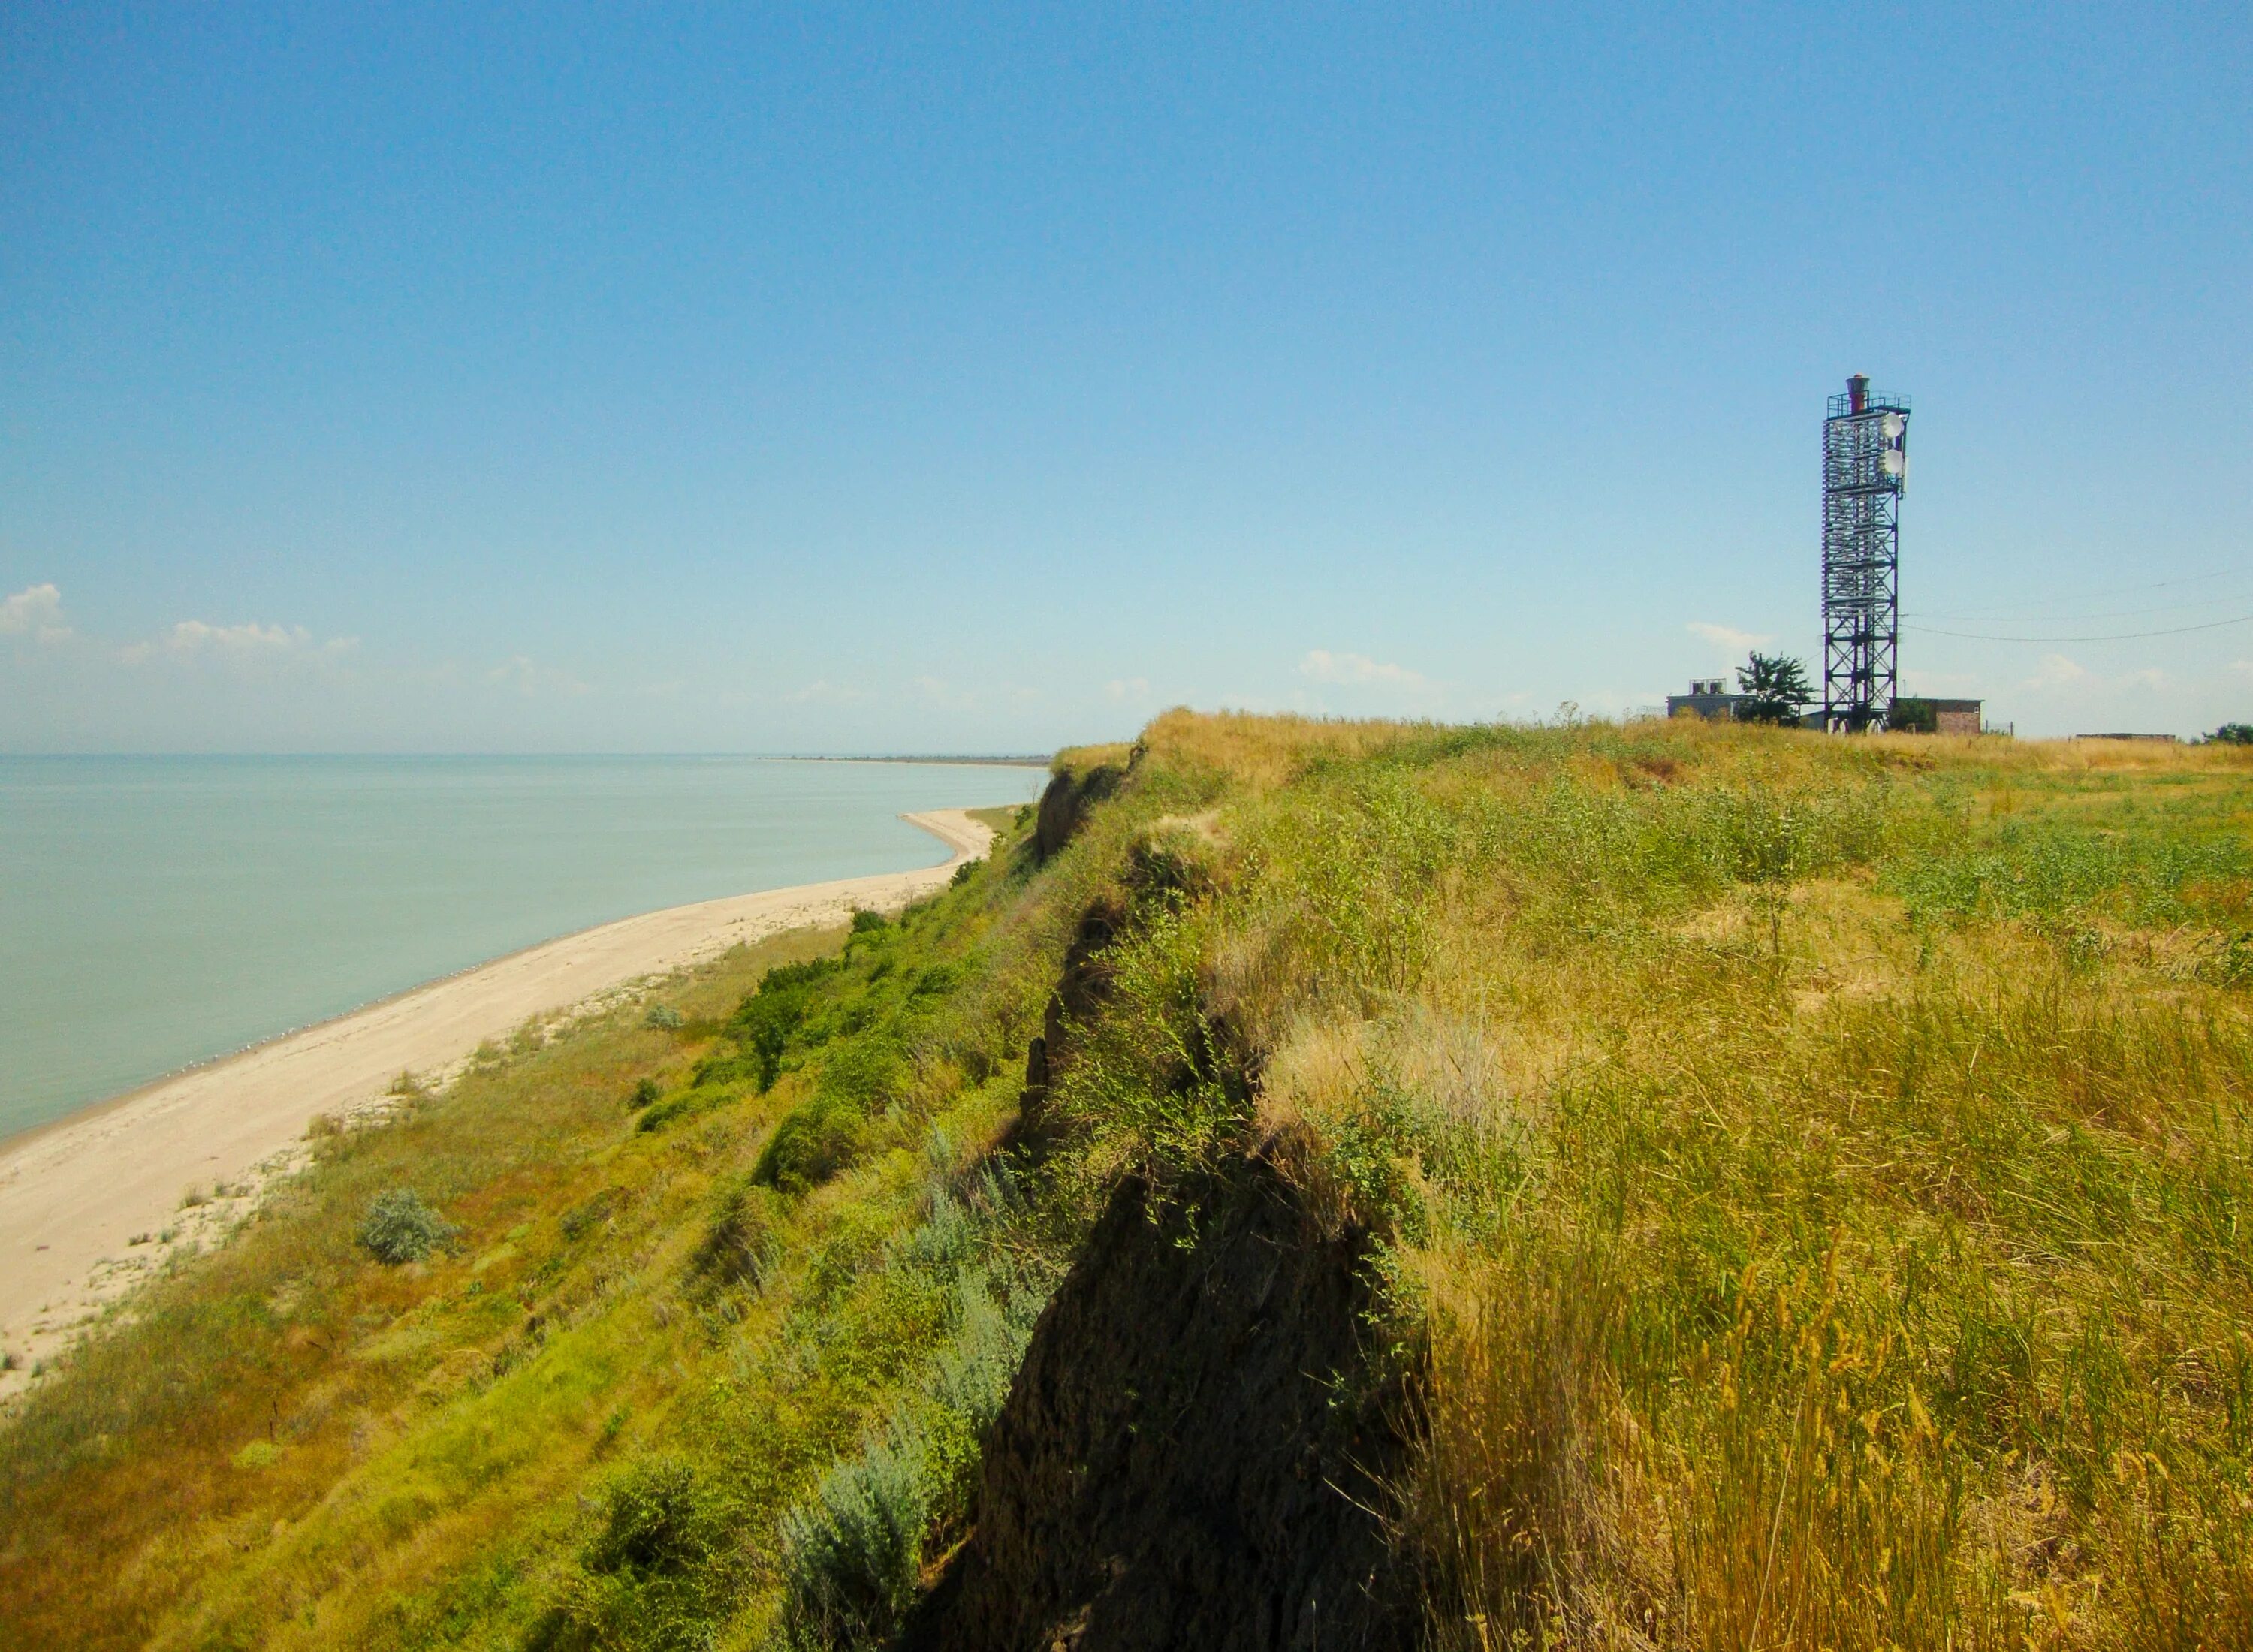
(155, 911)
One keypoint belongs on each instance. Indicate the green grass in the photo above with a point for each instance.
(293, 1444)
(1813, 1176)
(1817, 1170)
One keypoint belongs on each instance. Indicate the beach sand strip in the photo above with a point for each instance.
(77, 1194)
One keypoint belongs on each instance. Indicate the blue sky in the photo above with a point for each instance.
(575, 378)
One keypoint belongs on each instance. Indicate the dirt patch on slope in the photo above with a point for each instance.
(1193, 1450)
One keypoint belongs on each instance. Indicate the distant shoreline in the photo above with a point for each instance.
(1028, 760)
(74, 1191)
(1034, 761)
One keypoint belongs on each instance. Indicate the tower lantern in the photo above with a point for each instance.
(1864, 466)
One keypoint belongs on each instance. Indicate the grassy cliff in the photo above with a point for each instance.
(1782, 1191)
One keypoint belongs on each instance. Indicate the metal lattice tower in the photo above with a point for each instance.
(1865, 464)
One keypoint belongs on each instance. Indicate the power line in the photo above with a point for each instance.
(2052, 619)
(2107, 637)
(2083, 596)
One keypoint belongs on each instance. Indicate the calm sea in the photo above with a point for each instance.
(155, 911)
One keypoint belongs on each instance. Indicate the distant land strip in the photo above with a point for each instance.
(1031, 760)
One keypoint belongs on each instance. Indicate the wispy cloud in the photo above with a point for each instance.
(939, 691)
(196, 638)
(534, 680)
(2062, 676)
(1728, 638)
(1360, 671)
(822, 691)
(1129, 688)
(36, 611)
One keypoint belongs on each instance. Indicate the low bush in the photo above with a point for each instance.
(399, 1227)
(815, 1140)
(852, 1553)
(766, 1023)
(658, 1518)
(745, 1241)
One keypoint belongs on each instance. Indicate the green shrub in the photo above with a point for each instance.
(658, 1518)
(644, 1092)
(664, 1017)
(766, 1022)
(868, 922)
(975, 1370)
(815, 1140)
(851, 1554)
(399, 1227)
(650, 1576)
(745, 1241)
(935, 980)
(686, 1104)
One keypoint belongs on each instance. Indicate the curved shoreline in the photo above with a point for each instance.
(75, 1191)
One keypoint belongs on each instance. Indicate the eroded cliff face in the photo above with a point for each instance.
(1065, 804)
(1192, 1453)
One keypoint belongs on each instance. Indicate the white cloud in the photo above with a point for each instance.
(1728, 638)
(822, 691)
(530, 679)
(36, 611)
(2058, 672)
(1359, 670)
(200, 639)
(192, 635)
(1129, 688)
(939, 691)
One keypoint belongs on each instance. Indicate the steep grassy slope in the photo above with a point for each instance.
(660, 1325)
(1720, 1188)
(1812, 1175)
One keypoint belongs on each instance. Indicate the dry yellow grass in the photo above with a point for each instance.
(1818, 1167)
(1815, 1175)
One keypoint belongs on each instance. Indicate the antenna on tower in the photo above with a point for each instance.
(1865, 469)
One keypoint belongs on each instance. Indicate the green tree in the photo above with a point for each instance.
(1775, 688)
(2233, 734)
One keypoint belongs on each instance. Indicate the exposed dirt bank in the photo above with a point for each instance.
(1192, 1453)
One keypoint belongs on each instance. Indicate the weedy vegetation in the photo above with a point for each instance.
(1811, 1177)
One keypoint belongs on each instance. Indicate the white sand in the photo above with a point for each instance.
(74, 1194)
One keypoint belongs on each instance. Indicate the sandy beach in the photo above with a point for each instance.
(75, 1194)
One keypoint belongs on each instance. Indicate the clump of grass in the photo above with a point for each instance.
(743, 1244)
(591, 1215)
(659, 1517)
(828, 1131)
(399, 1228)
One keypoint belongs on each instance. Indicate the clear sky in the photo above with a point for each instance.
(920, 379)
